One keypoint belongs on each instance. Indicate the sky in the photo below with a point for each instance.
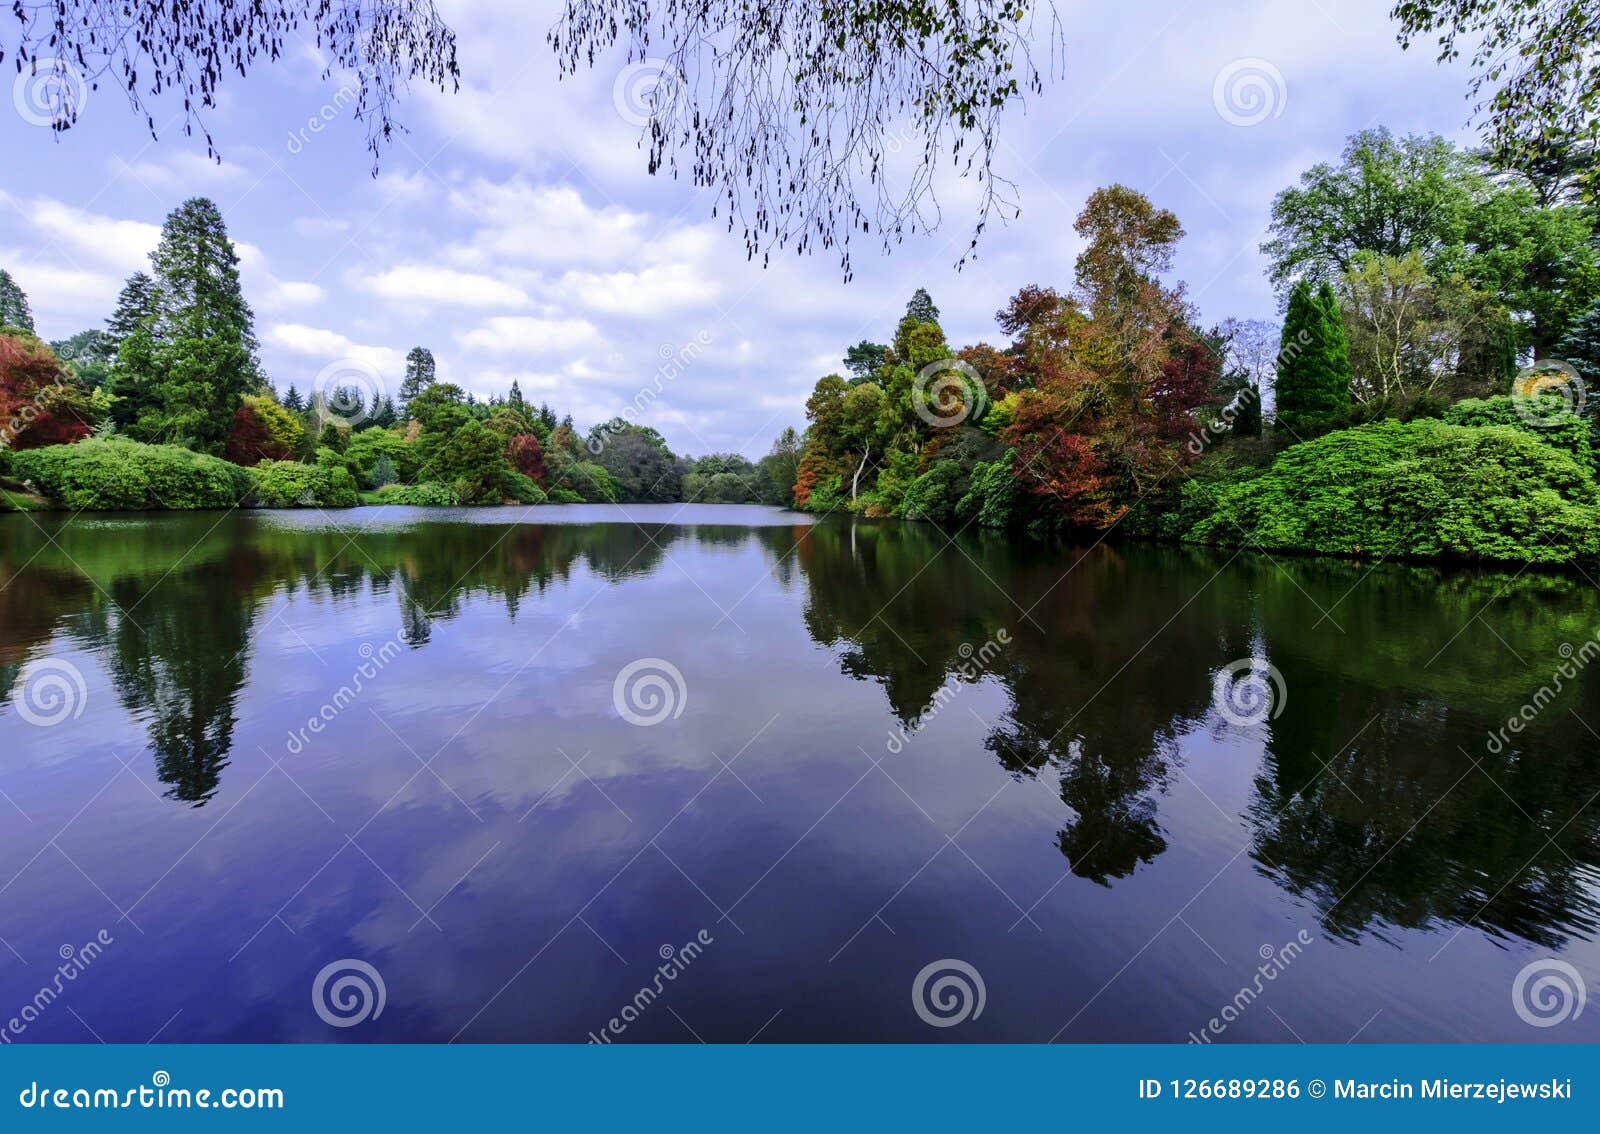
(515, 232)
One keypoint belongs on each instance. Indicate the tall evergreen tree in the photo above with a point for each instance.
(14, 309)
(136, 307)
(515, 401)
(921, 308)
(419, 373)
(1313, 378)
(292, 401)
(1581, 346)
(863, 359)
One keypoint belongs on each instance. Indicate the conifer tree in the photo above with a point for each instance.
(420, 372)
(14, 309)
(1313, 379)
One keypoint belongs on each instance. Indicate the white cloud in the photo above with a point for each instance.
(424, 283)
(526, 334)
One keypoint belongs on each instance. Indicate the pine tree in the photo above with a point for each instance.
(1313, 374)
(292, 401)
(1581, 346)
(921, 308)
(14, 309)
(136, 307)
(515, 400)
(419, 373)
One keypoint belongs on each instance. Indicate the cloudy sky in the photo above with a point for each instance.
(516, 233)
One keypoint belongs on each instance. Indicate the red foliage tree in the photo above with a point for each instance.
(41, 402)
(526, 456)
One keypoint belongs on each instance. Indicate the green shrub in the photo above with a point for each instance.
(1566, 431)
(521, 489)
(430, 495)
(995, 497)
(932, 496)
(115, 474)
(289, 484)
(560, 494)
(370, 446)
(593, 482)
(1423, 488)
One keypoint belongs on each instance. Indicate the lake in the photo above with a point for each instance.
(675, 773)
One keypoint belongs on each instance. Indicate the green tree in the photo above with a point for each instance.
(1581, 346)
(136, 307)
(419, 374)
(1313, 374)
(863, 359)
(14, 309)
(921, 307)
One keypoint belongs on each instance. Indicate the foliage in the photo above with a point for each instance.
(1548, 422)
(383, 471)
(863, 359)
(520, 489)
(1313, 371)
(371, 447)
(637, 461)
(188, 48)
(14, 309)
(1413, 335)
(430, 495)
(780, 468)
(289, 484)
(1395, 197)
(419, 375)
(1423, 488)
(840, 84)
(1581, 346)
(471, 462)
(116, 473)
(262, 431)
(1538, 59)
(41, 402)
(560, 494)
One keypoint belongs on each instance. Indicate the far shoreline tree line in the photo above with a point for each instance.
(1380, 419)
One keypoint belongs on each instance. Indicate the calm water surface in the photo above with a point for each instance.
(887, 750)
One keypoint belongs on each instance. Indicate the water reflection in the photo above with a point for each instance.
(1374, 796)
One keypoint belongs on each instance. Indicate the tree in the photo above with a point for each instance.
(1387, 195)
(292, 401)
(419, 373)
(41, 401)
(90, 355)
(863, 359)
(921, 307)
(136, 308)
(380, 44)
(1313, 369)
(526, 455)
(262, 431)
(515, 399)
(780, 468)
(1538, 59)
(638, 461)
(1414, 337)
(1581, 347)
(14, 309)
(190, 354)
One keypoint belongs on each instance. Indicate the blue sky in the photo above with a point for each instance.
(515, 232)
